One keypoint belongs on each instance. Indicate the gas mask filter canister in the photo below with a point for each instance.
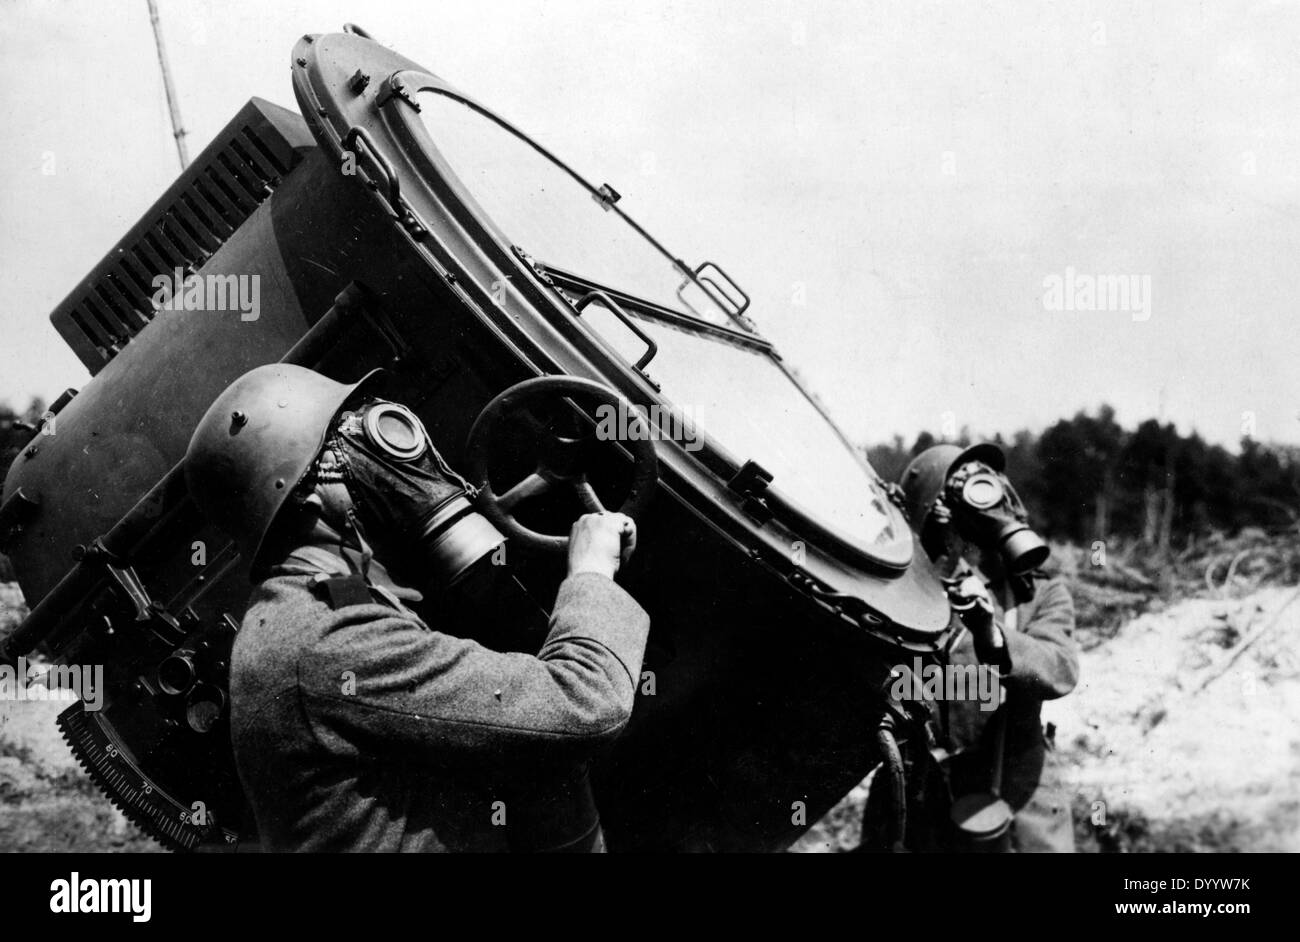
(410, 504)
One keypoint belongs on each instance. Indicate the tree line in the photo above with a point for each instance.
(1088, 478)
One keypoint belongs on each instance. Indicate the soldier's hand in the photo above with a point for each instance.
(601, 543)
(970, 599)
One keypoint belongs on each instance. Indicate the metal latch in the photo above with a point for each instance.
(751, 483)
(606, 196)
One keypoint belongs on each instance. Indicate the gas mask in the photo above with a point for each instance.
(403, 497)
(987, 511)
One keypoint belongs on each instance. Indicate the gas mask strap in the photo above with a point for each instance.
(367, 554)
(331, 483)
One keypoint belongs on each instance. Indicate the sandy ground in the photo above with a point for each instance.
(47, 802)
(1159, 758)
(1164, 727)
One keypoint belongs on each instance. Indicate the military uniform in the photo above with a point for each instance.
(1044, 666)
(360, 727)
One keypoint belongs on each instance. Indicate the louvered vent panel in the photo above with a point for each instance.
(234, 175)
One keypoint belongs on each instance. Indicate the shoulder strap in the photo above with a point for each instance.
(343, 587)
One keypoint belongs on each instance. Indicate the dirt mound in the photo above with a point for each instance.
(1184, 732)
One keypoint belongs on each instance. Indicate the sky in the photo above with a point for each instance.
(896, 184)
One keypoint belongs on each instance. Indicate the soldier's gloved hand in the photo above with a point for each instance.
(970, 599)
(600, 543)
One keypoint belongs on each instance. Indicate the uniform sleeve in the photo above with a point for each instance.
(449, 699)
(1044, 659)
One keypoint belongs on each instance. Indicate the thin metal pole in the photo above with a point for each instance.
(173, 106)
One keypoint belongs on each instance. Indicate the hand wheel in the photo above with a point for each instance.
(561, 454)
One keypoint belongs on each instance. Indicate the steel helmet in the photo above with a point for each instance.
(256, 442)
(924, 478)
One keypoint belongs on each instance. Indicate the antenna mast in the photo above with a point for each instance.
(173, 107)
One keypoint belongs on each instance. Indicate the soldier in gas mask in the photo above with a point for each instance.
(972, 523)
(356, 725)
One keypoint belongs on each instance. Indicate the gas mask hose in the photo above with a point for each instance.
(912, 719)
(891, 758)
